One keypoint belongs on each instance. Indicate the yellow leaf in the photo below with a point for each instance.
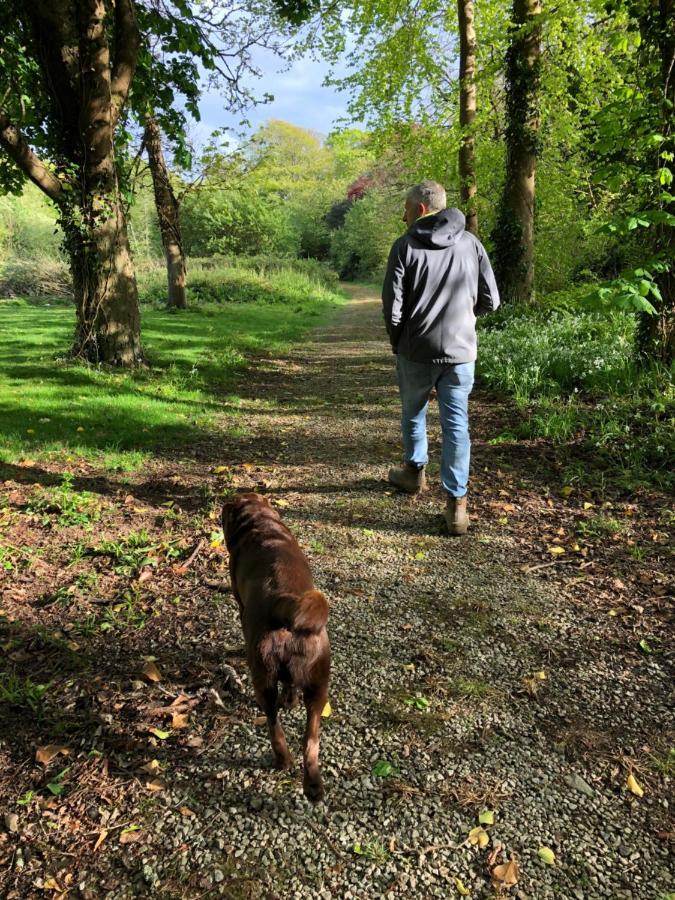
(409, 667)
(540, 676)
(216, 544)
(556, 550)
(151, 767)
(282, 503)
(51, 884)
(588, 505)
(479, 836)
(162, 735)
(80, 428)
(463, 891)
(633, 786)
(219, 470)
(546, 855)
(566, 491)
(326, 711)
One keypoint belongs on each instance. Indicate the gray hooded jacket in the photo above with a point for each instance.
(439, 278)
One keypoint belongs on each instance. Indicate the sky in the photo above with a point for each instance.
(299, 98)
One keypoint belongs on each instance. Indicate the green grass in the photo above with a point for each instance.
(574, 378)
(53, 408)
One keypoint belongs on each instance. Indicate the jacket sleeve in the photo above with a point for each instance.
(488, 292)
(393, 294)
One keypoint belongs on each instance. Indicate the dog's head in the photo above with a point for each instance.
(242, 508)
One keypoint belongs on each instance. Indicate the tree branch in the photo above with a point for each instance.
(17, 148)
(127, 42)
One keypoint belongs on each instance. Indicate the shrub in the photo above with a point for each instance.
(293, 283)
(34, 276)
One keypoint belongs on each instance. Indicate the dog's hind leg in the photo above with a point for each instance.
(315, 697)
(268, 698)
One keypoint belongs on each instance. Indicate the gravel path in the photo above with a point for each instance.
(453, 627)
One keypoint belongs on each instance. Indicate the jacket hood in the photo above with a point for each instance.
(442, 229)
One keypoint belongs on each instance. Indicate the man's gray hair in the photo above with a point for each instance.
(431, 193)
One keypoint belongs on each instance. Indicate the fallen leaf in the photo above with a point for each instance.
(131, 834)
(645, 646)
(51, 884)
(47, 753)
(566, 491)
(546, 855)
(151, 767)
(461, 890)
(185, 811)
(155, 785)
(282, 503)
(634, 787)
(179, 720)
(145, 575)
(505, 875)
(588, 505)
(12, 822)
(556, 550)
(260, 720)
(158, 733)
(540, 675)
(408, 667)
(326, 711)
(486, 817)
(151, 672)
(219, 470)
(103, 834)
(479, 836)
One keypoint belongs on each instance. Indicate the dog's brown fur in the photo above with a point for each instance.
(284, 621)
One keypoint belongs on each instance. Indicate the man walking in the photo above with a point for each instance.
(439, 278)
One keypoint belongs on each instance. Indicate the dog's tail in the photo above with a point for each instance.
(307, 613)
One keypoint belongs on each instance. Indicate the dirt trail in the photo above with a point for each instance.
(461, 681)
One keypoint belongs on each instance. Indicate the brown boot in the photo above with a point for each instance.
(456, 516)
(408, 478)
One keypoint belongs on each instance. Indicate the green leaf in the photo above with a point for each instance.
(383, 768)
(546, 855)
(486, 817)
(56, 788)
(645, 646)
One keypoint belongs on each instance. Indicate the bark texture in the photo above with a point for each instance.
(167, 214)
(467, 111)
(514, 230)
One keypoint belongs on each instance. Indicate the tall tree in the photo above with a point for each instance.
(166, 204)
(467, 111)
(513, 235)
(76, 61)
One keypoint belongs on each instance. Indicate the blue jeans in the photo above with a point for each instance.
(453, 383)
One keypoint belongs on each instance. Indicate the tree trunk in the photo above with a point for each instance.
(467, 112)
(514, 230)
(87, 90)
(167, 214)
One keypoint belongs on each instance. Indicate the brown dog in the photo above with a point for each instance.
(284, 621)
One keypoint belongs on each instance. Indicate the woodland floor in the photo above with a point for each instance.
(522, 670)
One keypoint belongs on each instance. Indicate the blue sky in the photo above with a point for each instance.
(299, 97)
